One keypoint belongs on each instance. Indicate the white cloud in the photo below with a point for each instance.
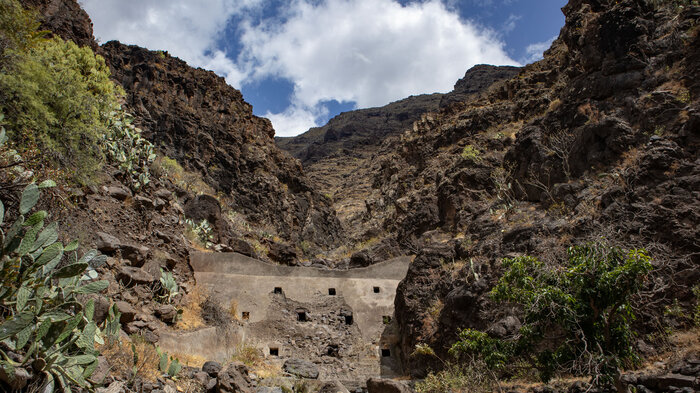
(296, 119)
(185, 28)
(535, 51)
(371, 52)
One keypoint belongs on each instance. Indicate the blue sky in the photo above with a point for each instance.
(300, 62)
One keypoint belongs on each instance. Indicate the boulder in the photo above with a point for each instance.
(164, 193)
(234, 379)
(101, 372)
(118, 193)
(301, 368)
(282, 253)
(361, 259)
(136, 255)
(242, 247)
(212, 368)
(107, 243)
(130, 276)
(142, 201)
(127, 310)
(378, 385)
(333, 387)
(167, 313)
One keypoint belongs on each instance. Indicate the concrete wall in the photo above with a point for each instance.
(250, 284)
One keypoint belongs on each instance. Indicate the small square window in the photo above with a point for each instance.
(245, 315)
(331, 291)
(375, 289)
(386, 352)
(278, 290)
(348, 319)
(301, 316)
(274, 351)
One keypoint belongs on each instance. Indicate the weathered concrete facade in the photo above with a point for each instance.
(340, 320)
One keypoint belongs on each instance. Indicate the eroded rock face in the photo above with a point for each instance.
(64, 18)
(590, 142)
(193, 116)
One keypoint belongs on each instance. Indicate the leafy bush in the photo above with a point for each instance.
(60, 101)
(576, 317)
(472, 154)
(41, 317)
(57, 98)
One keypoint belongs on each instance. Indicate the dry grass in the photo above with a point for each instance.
(190, 360)
(253, 358)
(192, 310)
(120, 356)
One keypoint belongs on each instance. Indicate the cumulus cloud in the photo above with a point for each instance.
(370, 52)
(535, 51)
(187, 29)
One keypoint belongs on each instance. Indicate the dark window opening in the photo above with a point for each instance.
(245, 315)
(376, 289)
(278, 290)
(301, 316)
(274, 351)
(348, 319)
(386, 352)
(331, 291)
(386, 319)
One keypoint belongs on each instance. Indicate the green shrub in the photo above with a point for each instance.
(41, 317)
(56, 96)
(471, 153)
(457, 378)
(577, 317)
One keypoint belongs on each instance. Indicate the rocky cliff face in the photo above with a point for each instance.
(338, 156)
(599, 139)
(66, 19)
(193, 116)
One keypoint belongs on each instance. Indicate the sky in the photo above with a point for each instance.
(301, 62)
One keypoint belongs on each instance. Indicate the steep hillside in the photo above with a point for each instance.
(599, 139)
(193, 116)
(337, 157)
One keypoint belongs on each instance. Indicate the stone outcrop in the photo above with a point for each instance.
(193, 116)
(64, 18)
(599, 139)
(338, 156)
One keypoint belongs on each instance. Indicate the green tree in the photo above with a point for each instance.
(577, 317)
(57, 97)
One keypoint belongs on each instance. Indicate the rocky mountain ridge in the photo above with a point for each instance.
(338, 156)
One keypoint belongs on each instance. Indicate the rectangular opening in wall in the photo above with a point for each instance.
(274, 351)
(245, 315)
(331, 291)
(301, 316)
(278, 290)
(386, 319)
(386, 352)
(348, 319)
(375, 289)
